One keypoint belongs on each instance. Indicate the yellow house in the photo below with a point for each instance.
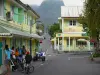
(18, 25)
(72, 37)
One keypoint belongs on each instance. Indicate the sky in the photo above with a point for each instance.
(66, 2)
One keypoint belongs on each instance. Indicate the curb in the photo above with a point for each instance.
(3, 70)
(3, 73)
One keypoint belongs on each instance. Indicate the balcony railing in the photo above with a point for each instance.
(15, 25)
(10, 24)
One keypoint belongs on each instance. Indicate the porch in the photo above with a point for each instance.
(73, 44)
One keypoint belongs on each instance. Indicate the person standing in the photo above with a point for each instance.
(13, 53)
(7, 58)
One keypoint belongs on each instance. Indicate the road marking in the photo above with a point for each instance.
(78, 57)
(42, 64)
(68, 58)
(49, 55)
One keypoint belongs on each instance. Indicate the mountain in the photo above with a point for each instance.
(35, 7)
(49, 11)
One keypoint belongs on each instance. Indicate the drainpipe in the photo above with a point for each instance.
(30, 39)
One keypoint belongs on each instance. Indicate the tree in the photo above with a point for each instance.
(92, 18)
(53, 29)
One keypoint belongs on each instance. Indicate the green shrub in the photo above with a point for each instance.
(95, 55)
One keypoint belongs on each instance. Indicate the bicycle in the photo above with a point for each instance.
(28, 69)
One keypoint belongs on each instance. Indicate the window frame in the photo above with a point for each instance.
(72, 22)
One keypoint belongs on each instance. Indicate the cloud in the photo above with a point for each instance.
(36, 2)
(66, 2)
(73, 2)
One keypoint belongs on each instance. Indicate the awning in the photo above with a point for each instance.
(36, 36)
(53, 39)
(6, 31)
(84, 40)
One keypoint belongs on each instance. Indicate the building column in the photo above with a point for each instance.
(63, 34)
(89, 46)
(63, 42)
(69, 44)
(55, 44)
(58, 43)
(74, 43)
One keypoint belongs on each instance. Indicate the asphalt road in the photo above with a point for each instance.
(66, 64)
(46, 44)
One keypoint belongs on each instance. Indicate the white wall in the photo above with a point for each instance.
(1, 8)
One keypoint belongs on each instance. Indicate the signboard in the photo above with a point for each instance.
(70, 30)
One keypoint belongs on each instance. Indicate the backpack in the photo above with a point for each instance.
(23, 52)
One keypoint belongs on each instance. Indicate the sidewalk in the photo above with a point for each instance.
(2, 69)
(35, 64)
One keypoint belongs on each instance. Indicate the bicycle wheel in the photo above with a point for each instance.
(26, 71)
(31, 69)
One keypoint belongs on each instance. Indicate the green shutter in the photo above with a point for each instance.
(15, 17)
(21, 15)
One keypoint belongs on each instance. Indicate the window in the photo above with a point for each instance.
(28, 20)
(72, 23)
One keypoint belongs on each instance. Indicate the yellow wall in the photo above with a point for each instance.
(77, 28)
(26, 27)
(34, 26)
(0, 39)
(8, 41)
(65, 44)
(8, 5)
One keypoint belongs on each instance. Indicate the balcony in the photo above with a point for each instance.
(10, 24)
(73, 29)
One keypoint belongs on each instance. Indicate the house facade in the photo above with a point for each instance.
(72, 38)
(18, 26)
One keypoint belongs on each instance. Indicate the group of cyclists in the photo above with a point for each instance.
(19, 57)
(15, 56)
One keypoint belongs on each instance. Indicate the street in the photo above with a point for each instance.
(64, 64)
(67, 64)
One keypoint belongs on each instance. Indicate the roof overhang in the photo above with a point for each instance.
(6, 31)
(36, 36)
(74, 33)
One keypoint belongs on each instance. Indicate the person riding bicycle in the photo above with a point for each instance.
(28, 58)
(28, 66)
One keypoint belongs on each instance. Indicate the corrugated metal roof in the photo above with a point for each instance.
(71, 11)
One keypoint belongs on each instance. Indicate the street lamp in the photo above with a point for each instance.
(31, 24)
